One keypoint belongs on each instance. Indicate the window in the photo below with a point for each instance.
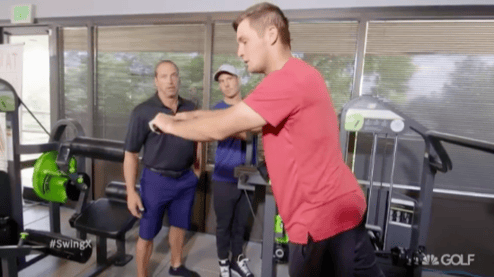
(125, 69)
(35, 94)
(441, 74)
(76, 58)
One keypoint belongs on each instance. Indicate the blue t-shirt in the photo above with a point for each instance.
(230, 153)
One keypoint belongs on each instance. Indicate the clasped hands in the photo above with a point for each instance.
(161, 123)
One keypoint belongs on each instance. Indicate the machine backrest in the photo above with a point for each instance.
(117, 191)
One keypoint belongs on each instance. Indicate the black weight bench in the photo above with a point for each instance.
(106, 218)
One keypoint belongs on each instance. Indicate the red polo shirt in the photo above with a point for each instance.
(316, 193)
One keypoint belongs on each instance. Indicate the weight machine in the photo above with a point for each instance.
(57, 178)
(398, 224)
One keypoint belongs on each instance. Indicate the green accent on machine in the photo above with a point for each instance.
(49, 182)
(7, 99)
(354, 122)
(278, 229)
(24, 235)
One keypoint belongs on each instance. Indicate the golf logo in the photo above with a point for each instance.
(448, 260)
(430, 259)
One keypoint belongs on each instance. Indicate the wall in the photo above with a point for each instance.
(63, 8)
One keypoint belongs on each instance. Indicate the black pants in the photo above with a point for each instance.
(232, 214)
(347, 254)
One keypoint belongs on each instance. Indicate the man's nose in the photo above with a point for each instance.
(240, 52)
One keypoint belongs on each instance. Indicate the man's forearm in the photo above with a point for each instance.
(193, 114)
(243, 135)
(130, 167)
(206, 113)
(218, 125)
(202, 128)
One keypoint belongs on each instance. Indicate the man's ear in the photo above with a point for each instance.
(272, 34)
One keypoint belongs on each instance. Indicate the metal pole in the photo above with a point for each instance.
(268, 268)
(390, 195)
(371, 174)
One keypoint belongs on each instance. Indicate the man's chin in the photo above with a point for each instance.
(253, 70)
(171, 93)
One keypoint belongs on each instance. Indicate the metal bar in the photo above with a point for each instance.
(268, 268)
(34, 260)
(120, 248)
(206, 96)
(371, 177)
(54, 217)
(37, 148)
(436, 190)
(101, 254)
(9, 267)
(14, 172)
(359, 59)
(92, 97)
(27, 164)
(61, 74)
(421, 217)
(53, 35)
(476, 144)
(248, 148)
(81, 235)
(390, 195)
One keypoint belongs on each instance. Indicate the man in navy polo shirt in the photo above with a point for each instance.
(167, 181)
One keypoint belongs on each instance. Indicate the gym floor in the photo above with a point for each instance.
(200, 252)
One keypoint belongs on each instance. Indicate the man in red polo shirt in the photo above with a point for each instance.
(317, 195)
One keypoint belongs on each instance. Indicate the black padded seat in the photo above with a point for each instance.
(106, 218)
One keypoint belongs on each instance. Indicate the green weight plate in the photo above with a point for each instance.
(48, 181)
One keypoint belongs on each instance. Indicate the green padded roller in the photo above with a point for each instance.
(49, 182)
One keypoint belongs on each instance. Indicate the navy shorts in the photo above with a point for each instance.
(158, 193)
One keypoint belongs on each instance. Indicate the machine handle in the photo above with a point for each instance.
(435, 139)
(444, 164)
(462, 141)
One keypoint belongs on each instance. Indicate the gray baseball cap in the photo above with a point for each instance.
(225, 68)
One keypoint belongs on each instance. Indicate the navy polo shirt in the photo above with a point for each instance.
(230, 153)
(161, 151)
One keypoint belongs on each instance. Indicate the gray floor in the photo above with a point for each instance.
(200, 251)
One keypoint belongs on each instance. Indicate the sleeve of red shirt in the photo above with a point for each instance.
(273, 99)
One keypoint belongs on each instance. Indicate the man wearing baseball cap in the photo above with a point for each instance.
(231, 204)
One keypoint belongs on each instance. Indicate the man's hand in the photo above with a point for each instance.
(161, 123)
(134, 204)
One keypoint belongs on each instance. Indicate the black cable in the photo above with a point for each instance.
(250, 205)
(35, 118)
(41, 125)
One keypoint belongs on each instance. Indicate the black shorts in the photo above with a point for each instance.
(347, 254)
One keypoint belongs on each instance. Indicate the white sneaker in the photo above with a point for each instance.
(240, 267)
(224, 268)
